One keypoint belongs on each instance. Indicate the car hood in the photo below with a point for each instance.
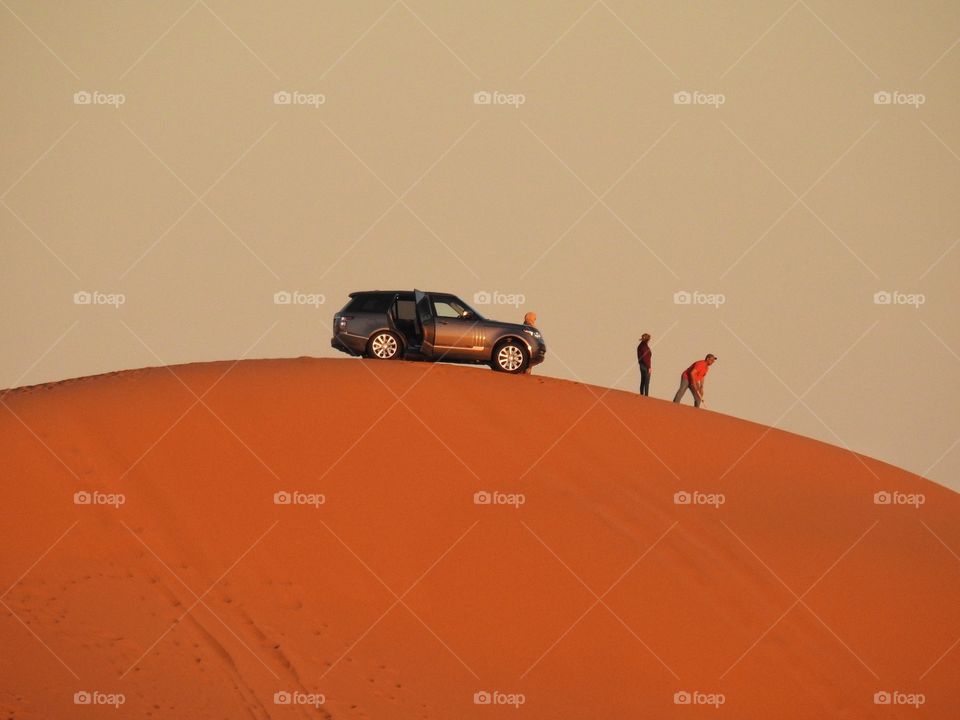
(510, 327)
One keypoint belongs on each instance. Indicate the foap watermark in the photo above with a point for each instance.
(897, 697)
(85, 297)
(696, 697)
(495, 297)
(696, 97)
(295, 497)
(483, 497)
(95, 497)
(895, 97)
(714, 500)
(695, 297)
(95, 697)
(895, 497)
(297, 697)
(496, 697)
(284, 297)
(95, 97)
(295, 97)
(895, 297)
(495, 97)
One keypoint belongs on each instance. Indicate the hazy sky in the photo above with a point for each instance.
(781, 163)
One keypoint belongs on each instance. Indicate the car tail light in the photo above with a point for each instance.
(342, 323)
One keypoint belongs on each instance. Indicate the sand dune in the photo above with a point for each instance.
(583, 590)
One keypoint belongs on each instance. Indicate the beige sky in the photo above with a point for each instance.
(777, 188)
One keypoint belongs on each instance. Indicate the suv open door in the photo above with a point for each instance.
(426, 322)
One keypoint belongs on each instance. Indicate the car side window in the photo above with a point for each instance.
(446, 309)
(406, 310)
(370, 304)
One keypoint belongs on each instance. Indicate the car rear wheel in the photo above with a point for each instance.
(511, 357)
(384, 346)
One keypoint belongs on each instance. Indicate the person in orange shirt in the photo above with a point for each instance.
(529, 319)
(692, 379)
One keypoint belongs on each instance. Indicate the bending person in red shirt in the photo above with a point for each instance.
(692, 379)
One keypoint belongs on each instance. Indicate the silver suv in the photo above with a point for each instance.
(392, 324)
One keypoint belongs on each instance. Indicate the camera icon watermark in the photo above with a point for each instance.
(695, 697)
(895, 497)
(895, 297)
(95, 497)
(514, 500)
(496, 697)
(95, 697)
(495, 297)
(495, 97)
(897, 697)
(695, 297)
(95, 97)
(696, 97)
(86, 297)
(895, 97)
(295, 97)
(714, 500)
(295, 297)
(295, 497)
(297, 697)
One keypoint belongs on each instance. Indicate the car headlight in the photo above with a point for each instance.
(534, 333)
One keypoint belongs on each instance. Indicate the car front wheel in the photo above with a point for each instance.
(384, 346)
(511, 357)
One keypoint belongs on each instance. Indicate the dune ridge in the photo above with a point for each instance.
(576, 584)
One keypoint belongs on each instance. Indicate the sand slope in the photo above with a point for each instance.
(399, 597)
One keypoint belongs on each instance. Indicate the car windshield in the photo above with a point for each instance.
(448, 306)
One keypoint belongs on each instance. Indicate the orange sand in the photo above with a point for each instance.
(399, 597)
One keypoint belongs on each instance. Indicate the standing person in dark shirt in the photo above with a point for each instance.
(645, 360)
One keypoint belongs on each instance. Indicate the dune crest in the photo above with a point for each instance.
(345, 538)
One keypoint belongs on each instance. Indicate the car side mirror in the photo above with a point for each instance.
(467, 315)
